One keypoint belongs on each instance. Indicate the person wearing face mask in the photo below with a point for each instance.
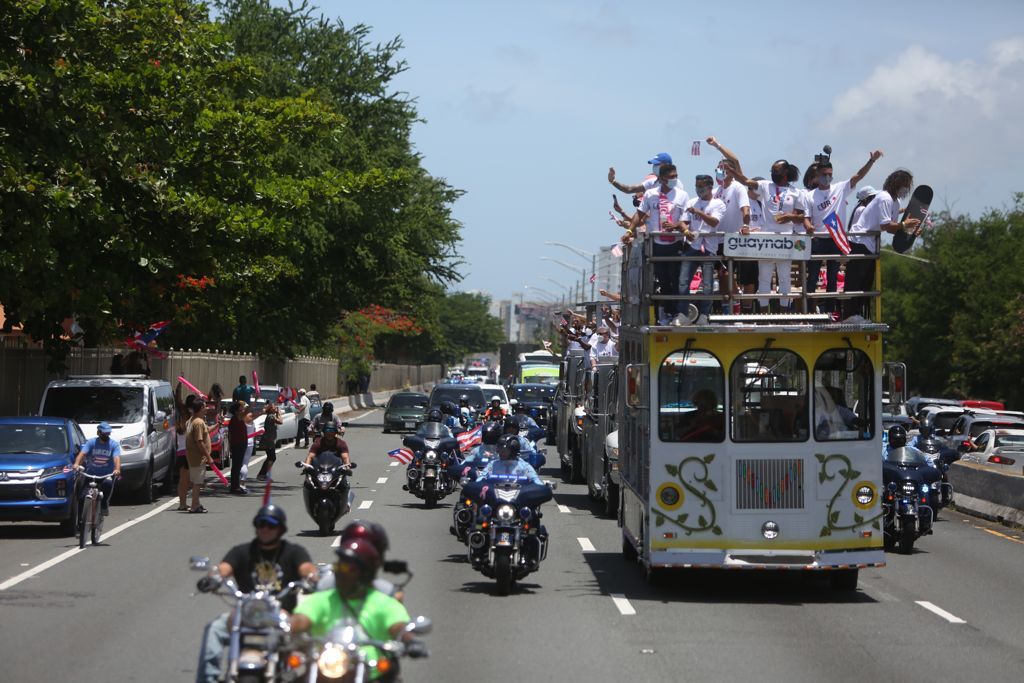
(736, 219)
(661, 210)
(703, 215)
(603, 346)
(648, 183)
(102, 456)
(882, 214)
(827, 203)
(784, 210)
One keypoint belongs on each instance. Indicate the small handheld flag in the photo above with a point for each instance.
(836, 230)
(471, 438)
(402, 455)
(593, 278)
(695, 148)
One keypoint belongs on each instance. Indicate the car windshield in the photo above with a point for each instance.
(945, 421)
(980, 426)
(442, 393)
(532, 393)
(1014, 441)
(407, 402)
(906, 455)
(92, 404)
(33, 439)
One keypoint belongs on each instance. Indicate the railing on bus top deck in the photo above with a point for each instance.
(638, 306)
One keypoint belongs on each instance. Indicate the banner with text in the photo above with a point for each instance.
(768, 245)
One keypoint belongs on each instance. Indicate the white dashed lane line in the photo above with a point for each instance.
(336, 542)
(365, 505)
(585, 544)
(394, 464)
(564, 509)
(951, 618)
(382, 480)
(622, 604)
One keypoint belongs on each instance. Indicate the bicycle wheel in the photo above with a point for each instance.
(97, 527)
(84, 522)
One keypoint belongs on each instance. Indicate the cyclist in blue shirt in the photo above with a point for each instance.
(102, 456)
(509, 463)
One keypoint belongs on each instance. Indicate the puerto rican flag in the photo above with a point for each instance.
(474, 437)
(835, 228)
(402, 455)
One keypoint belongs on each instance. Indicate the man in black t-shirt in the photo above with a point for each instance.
(329, 442)
(268, 561)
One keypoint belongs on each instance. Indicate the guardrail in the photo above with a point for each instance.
(981, 491)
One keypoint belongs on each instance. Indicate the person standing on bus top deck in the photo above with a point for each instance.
(662, 210)
(648, 183)
(703, 215)
(827, 201)
(860, 245)
(604, 347)
(785, 211)
(882, 214)
(736, 218)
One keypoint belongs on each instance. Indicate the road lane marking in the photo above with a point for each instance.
(585, 543)
(951, 618)
(394, 464)
(366, 414)
(622, 604)
(336, 542)
(564, 508)
(365, 505)
(1002, 535)
(382, 480)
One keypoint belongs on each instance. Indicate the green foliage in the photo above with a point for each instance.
(958, 321)
(144, 149)
(466, 326)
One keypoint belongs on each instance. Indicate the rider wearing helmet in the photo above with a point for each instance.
(897, 436)
(494, 411)
(267, 562)
(435, 415)
(354, 597)
(509, 463)
(329, 442)
(378, 537)
(325, 418)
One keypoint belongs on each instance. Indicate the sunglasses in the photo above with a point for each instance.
(267, 525)
(345, 568)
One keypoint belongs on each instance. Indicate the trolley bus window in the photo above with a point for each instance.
(691, 389)
(842, 396)
(769, 396)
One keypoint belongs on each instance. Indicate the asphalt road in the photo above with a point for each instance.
(127, 609)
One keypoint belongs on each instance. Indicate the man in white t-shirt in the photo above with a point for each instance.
(827, 205)
(784, 210)
(660, 211)
(603, 346)
(702, 218)
(881, 215)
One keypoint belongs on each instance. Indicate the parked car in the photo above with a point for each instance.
(972, 424)
(140, 411)
(999, 448)
(405, 411)
(36, 481)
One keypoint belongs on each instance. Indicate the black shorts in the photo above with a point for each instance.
(180, 462)
(747, 272)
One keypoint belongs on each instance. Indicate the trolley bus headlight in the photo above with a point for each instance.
(864, 494)
(670, 496)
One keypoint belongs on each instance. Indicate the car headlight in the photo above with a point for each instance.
(131, 443)
(506, 513)
(332, 662)
(52, 471)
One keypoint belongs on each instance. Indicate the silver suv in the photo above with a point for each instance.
(141, 413)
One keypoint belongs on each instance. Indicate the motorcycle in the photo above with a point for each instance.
(326, 491)
(430, 475)
(260, 646)
(944, 457)
(508, 541)
(911, 491)
(462, 511)
(347, 654)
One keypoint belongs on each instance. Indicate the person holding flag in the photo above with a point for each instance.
(827, 204)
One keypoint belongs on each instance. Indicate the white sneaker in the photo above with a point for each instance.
(702, 319)
(680, 320)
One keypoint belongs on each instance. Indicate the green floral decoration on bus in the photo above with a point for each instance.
(693, 475)
(833, 523)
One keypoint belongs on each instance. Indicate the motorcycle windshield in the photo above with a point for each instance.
(433, 430)
(906, 455)
(326, 459)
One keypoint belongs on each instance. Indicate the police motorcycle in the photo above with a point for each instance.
(326, 490)
(430, 475)
(911, 486)
(260, 645)
(475, 462)
(531, 432)
(943, 456)
(507, 541)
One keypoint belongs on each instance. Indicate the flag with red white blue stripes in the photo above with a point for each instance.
(835, 228)
(402, 455)
(471, 438)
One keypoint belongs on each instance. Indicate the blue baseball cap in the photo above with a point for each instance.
(104, 428)
(661, 158)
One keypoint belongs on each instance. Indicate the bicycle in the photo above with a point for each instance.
(91, 520)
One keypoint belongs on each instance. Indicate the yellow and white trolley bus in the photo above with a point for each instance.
(749, 442)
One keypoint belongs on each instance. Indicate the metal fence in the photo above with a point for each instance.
(24, 375)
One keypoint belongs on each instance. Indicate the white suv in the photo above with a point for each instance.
(140, 412)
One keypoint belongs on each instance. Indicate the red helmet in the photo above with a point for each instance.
(370, 531)
(363, 554)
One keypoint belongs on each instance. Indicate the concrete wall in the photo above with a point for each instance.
(981, 491)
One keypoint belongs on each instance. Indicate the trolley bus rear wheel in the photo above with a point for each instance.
(844, 579)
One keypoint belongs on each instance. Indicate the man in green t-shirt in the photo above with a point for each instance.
(354, 598)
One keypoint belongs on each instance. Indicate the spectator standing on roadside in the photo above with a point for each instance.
(182, 415)
(268, 442)
(197, 445)
(244, 391)
(238, 442)
(303, 417)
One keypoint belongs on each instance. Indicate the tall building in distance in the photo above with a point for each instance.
(609, 270)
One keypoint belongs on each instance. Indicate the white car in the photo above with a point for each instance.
(492, 390)
(289, 428)
(1001, 448)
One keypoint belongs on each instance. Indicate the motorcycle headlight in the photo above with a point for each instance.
(925, 488)
(935, 486)
(908, 488)
(506, 513)
(132, 443)
(324, 477)
(332, 662)
(431, 456)
(258, 614)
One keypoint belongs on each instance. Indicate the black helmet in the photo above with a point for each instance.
(434, 415)
(328, 407)
(449, 408)
(508, 447)
(897, 436)
(464, 399)
(510, 425)
(369, 531)
(925, 430)
(272, 514)
(492, 430)
(363, 554)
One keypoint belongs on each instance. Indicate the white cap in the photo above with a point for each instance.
(865, 192)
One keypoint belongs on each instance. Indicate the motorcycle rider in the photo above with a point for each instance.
(354, 598)
(451, 416)
(508, 463)
(325, 418)
(494, 411)
(268, 561)
(488, 444)
(464, 406)
(376, 535)
(330, 441)
(102, 456)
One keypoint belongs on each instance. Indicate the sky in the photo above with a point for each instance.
(527, 104)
